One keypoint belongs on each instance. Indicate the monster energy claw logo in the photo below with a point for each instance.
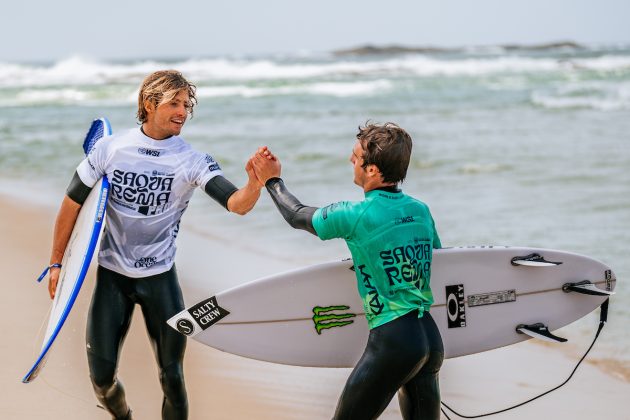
(324, 320)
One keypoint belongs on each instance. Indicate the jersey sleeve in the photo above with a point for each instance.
(335, 221)
(203, 169)
(437, 243)
(93, 167)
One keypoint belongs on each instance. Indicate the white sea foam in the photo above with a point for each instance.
(551, 102)
(74, 71)
(103, 96)
(83, 71)
(31, 96)
(337, 89)
(600, 95)
(412, 65)
(482, 168)
(604, 63)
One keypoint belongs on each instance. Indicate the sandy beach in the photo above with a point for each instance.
(223, 386)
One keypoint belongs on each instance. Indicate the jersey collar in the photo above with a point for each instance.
(393, 189)
(157, 143)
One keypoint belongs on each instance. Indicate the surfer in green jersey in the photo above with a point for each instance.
(391, 237)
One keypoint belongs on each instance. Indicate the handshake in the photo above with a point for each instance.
(262, 166)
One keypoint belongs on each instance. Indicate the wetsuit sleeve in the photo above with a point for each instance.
(220, 189)
(337, 220)
(295, 213)
(77, 190)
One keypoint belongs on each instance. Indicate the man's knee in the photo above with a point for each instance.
(102, 374)
(172, 380)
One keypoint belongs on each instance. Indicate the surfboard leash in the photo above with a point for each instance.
(43, 376)
(603, 317)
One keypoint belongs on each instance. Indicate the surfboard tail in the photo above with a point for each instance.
(34, 372)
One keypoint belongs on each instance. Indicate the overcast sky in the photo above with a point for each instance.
(127, 29)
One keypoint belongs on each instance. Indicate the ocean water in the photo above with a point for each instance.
(510, 147)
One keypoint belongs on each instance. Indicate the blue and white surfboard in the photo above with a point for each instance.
(78, 254)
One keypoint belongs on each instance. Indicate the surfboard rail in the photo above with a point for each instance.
(73, 274)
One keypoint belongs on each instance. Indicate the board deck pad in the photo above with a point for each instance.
(314, 316)
(78, 254)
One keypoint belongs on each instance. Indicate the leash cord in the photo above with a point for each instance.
(602, 321)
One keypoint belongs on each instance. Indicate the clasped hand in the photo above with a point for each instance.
(263, 165)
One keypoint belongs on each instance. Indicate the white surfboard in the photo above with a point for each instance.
(78, 254)
(485, 298)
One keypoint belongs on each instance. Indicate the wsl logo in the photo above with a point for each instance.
(149, 152)
(324, 319)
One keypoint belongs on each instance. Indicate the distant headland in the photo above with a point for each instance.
(400, 49)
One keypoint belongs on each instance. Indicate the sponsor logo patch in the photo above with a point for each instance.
(147, 194)
(372, 299)
(324, 319)
(401, 220)
(145, 262)
(149, 152)
(455, 306)
(185, 326)
(207, 313)
(609, 279)
(329, 208)
(198, 318)
(492, 298)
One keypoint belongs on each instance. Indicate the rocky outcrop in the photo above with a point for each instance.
(400, 49)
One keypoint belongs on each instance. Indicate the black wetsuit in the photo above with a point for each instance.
(113, 301)
(111, 310)
(403, 355)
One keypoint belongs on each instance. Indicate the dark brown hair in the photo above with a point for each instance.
(388, 147)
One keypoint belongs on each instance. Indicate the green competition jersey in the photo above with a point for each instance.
(391, 237)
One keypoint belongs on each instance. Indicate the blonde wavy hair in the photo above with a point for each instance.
(162, 86)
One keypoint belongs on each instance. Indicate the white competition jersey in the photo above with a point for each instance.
(151, 184)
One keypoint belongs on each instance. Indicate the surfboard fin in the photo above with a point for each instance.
(539, 330)
(587, 288)
(533, 260)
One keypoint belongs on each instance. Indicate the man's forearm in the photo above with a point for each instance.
(243, 200)
(297, 215)
(66, 219)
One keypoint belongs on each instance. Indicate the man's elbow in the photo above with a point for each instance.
(238, 208)
(240, 212)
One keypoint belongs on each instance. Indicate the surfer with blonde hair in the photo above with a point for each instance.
(153, 173)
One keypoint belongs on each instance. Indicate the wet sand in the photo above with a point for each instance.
(223, 386)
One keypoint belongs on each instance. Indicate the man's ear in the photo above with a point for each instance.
(373, 171)
(149, 107)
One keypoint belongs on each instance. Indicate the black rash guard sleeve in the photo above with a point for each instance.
(220, 189)
(295, 213)
(77, 190)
